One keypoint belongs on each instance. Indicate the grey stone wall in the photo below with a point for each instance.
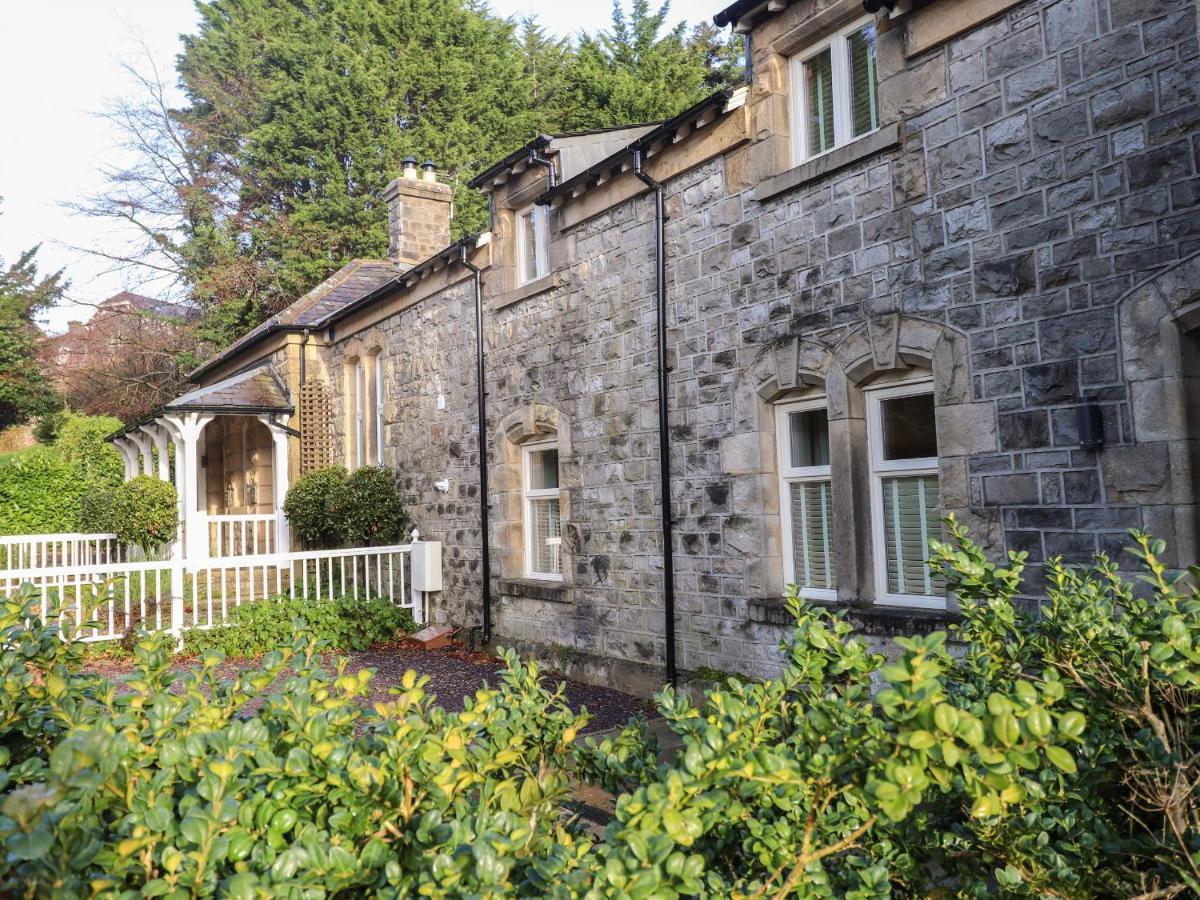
(1047, 165)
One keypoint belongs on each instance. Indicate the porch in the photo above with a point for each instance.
(225, 447)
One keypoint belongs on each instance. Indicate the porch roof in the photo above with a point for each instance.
(257, 390)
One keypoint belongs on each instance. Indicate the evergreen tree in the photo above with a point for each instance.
(24, 392)
(632, 73)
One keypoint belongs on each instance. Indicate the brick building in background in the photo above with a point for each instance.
(942, 261)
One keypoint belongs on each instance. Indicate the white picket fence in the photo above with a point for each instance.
(39, 551)
(242, 534)
(104, 601)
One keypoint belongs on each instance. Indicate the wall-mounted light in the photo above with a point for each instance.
(1091, 425)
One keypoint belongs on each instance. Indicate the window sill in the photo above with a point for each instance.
(878, 141)
(534, 589)
(527, 290)
(877, 621)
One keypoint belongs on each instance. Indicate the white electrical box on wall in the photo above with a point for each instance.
(427, 566)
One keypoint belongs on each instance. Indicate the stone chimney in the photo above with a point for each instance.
(418, 214)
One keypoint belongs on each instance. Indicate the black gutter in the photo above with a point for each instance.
(485, 538)
(735, 11)
(538, 143)
(664, 447)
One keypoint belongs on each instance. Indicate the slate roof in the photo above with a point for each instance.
(352, 282)
(255, 390)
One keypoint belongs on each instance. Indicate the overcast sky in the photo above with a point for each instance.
(60, 63)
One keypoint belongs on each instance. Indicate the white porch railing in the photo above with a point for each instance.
(113, 598)
(251, 534)
(34, 551)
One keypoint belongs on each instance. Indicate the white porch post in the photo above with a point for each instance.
(171, 434)
(159, 436)
(128, 455)
(188, 428)
(142, 441)
(279, 482)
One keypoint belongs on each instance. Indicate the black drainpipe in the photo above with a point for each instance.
(664, 448)
(485, 533)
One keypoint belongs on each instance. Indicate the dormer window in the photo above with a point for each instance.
(834, 95)
(531, 244)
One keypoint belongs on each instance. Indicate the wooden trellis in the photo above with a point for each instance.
(316, 427)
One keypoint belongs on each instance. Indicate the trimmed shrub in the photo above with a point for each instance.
(343, 624)
(311, 506)
(369, 508)
(42, 491)
(39, 493)
(145, 513)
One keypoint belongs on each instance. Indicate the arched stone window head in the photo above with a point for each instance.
(532, 532)
(902, 424)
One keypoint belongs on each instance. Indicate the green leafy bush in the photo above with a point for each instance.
(329, 508)
(39, 493)
(344, 623)
(311, 506)
(1047, 756)
(369, 508)
(43, 490)
(145, 513)
(97, 509)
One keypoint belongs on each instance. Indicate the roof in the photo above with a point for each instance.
(650, 141)
(353, 281)
(257, 390)
(142, 303)
(573, 151)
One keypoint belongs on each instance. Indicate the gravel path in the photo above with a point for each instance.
(453, 674)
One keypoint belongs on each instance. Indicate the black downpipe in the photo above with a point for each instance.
(481, 400)
(664, 448)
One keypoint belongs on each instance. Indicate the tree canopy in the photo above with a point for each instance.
(24, 392)
(299, 113)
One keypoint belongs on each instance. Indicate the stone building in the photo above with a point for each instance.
(940, 259)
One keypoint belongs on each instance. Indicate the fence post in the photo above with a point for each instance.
(177, 587)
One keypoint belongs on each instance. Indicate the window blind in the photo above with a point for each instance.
(812, 538)
(818, 77)
(547, 534)
(864, 105)
(910, 521)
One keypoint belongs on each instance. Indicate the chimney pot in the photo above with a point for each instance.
(410, 167)
(430, 169)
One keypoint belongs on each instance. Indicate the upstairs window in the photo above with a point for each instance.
(905, 493)
(834, 95)
(806, 499)
(531, 244)
(543, 526)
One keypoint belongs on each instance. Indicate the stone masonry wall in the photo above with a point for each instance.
(1047, 165)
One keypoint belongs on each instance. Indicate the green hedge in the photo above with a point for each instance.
(42, 491)
(343, 623)
(1049, 756)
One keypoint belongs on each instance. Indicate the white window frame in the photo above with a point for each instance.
(843, 121)
(540, 219)
(789, 474)
(358, 412)
(528, 495)
(883, 468)
(379, 409)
